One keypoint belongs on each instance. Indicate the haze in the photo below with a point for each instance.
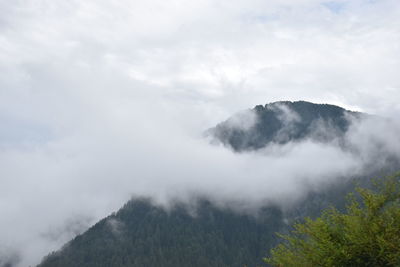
(102, 101)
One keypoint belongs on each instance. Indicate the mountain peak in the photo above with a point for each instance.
(282, 122)
(302, 104)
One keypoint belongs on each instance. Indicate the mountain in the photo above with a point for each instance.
(283, 122)
(197, 234)
(201, 233)
(143, 234)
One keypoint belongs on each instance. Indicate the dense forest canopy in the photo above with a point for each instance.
(142, 234)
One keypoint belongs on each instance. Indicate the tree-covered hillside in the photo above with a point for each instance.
(282, 122)
(142, 234)
(202, 233)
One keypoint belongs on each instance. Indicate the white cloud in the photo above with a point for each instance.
(104, 99)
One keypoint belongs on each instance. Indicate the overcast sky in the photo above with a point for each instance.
(100, 100)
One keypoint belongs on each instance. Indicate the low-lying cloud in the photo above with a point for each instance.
(102, 101)
(54, 190)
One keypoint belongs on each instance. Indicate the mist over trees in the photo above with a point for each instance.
(205, 231)
(143, 234)
(362, 231)
(102, 101)
(283, 122)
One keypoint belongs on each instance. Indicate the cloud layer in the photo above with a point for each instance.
(100, 101)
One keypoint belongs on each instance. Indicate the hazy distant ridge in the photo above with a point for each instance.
(282, 122)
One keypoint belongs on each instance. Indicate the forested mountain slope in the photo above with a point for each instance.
(282, 122)
(205, 234)
(142, 234)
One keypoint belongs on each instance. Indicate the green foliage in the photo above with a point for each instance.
(367, 234)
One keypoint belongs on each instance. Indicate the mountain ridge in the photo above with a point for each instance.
(282, 122)
(142, 233)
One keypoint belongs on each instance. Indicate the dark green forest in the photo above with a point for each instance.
(200, 234)
(142, 234)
